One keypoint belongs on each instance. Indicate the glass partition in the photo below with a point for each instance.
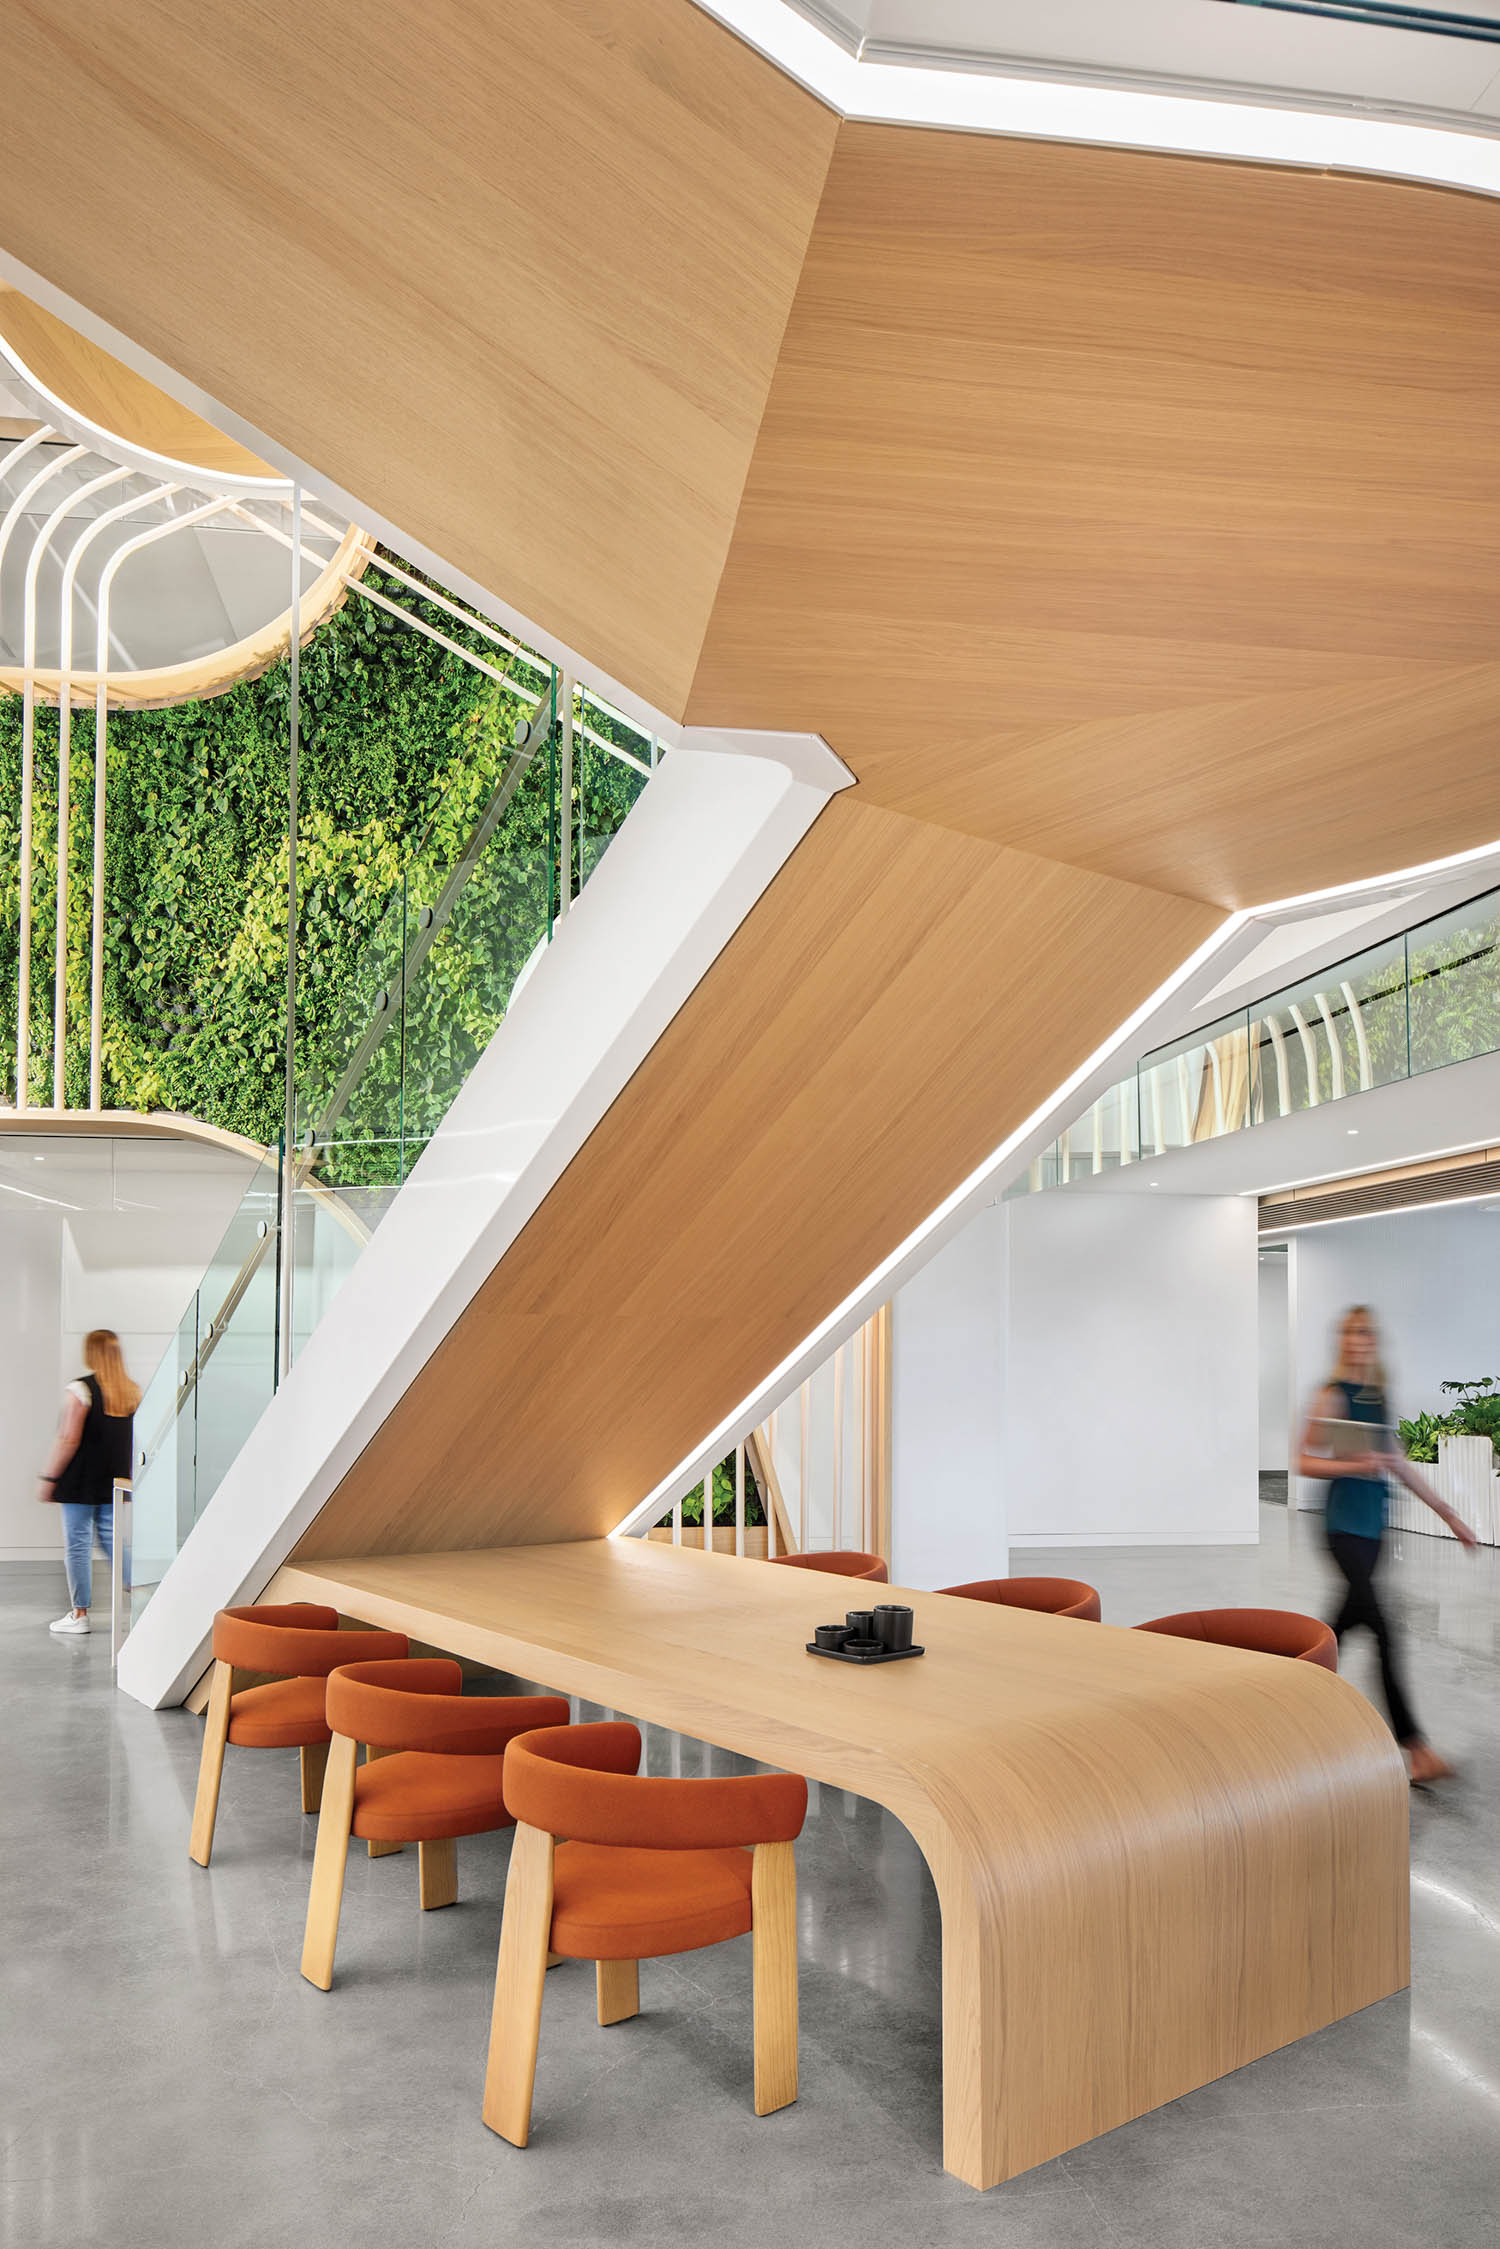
(1415, 1002)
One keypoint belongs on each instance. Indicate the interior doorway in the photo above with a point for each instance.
(1275, 1353)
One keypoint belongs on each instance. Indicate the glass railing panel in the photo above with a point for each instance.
(1339, 1032)
(236, 1369)
(163, 1467)
(1455, 986)
(1195, 1089)
(612, 762)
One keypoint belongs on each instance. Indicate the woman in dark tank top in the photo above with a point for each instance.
(92, 1450)
(1356, 1511)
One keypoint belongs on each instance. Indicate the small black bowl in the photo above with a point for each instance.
(830, 1635)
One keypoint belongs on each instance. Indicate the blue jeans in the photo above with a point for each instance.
(82, 1520)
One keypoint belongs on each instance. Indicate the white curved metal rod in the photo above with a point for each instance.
(28, 732)
(43, 541)
(1361, 1040)
(1335, 1051)
(80, 547)
(1309, 1053)
(18, 453)
(93, 437)
(1283, 1066)
(107, 578)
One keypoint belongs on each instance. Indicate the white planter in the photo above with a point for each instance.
(1465, 1477)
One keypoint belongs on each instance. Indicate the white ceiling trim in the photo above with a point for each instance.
(996, 101)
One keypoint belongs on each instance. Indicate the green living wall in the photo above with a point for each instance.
(402, 745)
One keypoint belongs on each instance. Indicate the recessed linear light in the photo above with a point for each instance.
(1353, 1132)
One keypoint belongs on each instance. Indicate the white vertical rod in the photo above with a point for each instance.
(1216, 1066)
(65, 795)
(1356, 1017)
(840, 1374)
(677, 1521)
(1335, 1051)
(1098, 1114)
(1309, 1055)
(1156, 1124)
(1065, 1158)
(565, 809)
(803, 1447)
(1123, 1092)
(1283, 1067)
(739, 1497)
(289, 1091)
(28, 726)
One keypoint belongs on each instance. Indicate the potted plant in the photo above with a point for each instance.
(1460, 1447)
(756, 1535)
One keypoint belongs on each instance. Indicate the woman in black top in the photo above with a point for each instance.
(92, 1449)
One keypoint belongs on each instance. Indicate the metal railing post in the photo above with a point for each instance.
(119, 1565)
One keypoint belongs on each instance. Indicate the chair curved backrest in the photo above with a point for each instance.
(842, 1563)
(296, 1640)
(1271, 1632)
(420, 1704)
(581, 1782)
(1054, 1596)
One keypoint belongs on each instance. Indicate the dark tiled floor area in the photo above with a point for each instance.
(167, 2079)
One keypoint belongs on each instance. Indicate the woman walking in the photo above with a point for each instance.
(1356, 1513)
(92, 1448)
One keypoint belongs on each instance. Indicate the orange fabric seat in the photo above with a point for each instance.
(1272, 1632)
(649, 1867)
(610, 1903)
(843, 1562)
(298, 1643)
(437, 1771)
(284, 1714)
(1053, 1596)
(416, 1797)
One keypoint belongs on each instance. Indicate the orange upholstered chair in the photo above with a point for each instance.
(842, 1563)
(299, 1643)
(649, 1867)
(1054, 1596)
(1272, 1632)
(439, 1776)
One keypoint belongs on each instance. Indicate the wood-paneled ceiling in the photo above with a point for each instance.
(1140, 511)
(1129, 524)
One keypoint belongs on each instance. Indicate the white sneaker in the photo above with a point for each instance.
(70, 1623)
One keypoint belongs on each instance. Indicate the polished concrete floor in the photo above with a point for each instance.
(167, 2079)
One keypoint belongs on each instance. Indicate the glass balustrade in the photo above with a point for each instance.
(1416, 1002)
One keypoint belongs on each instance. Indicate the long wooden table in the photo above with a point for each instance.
(1155, 1859)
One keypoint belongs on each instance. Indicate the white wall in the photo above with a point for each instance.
(1131, 1406)
(1273, 1298)
(30, 1328)
(1429, 1277)
(947, 1437)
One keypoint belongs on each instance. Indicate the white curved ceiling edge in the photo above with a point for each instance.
(77, 427)
(1146, 1028)
(995, 101)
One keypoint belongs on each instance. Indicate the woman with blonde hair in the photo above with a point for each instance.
(1356, 1511)
(92, 1448)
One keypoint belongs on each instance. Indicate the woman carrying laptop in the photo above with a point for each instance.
(1358, 1482)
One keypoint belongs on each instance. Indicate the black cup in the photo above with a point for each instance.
(830, 1635)
(860, 1623)
(893, 1624)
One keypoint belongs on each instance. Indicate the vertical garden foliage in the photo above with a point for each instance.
(401, 748)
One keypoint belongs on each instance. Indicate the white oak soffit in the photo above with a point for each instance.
(997, 101)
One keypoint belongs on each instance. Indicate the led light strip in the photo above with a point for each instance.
(997, 101)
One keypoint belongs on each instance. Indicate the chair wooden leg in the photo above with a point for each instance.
(380, 1850)
(314, 1760)
(211, 1765)
(618, 1990)
(329, 1859)
(773, 1896)
(516, 2021)
(437, 1873)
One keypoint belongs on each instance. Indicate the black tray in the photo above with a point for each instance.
(868, 1655)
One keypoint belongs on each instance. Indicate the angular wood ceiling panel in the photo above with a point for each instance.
(1136, 510)
(514, 276)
